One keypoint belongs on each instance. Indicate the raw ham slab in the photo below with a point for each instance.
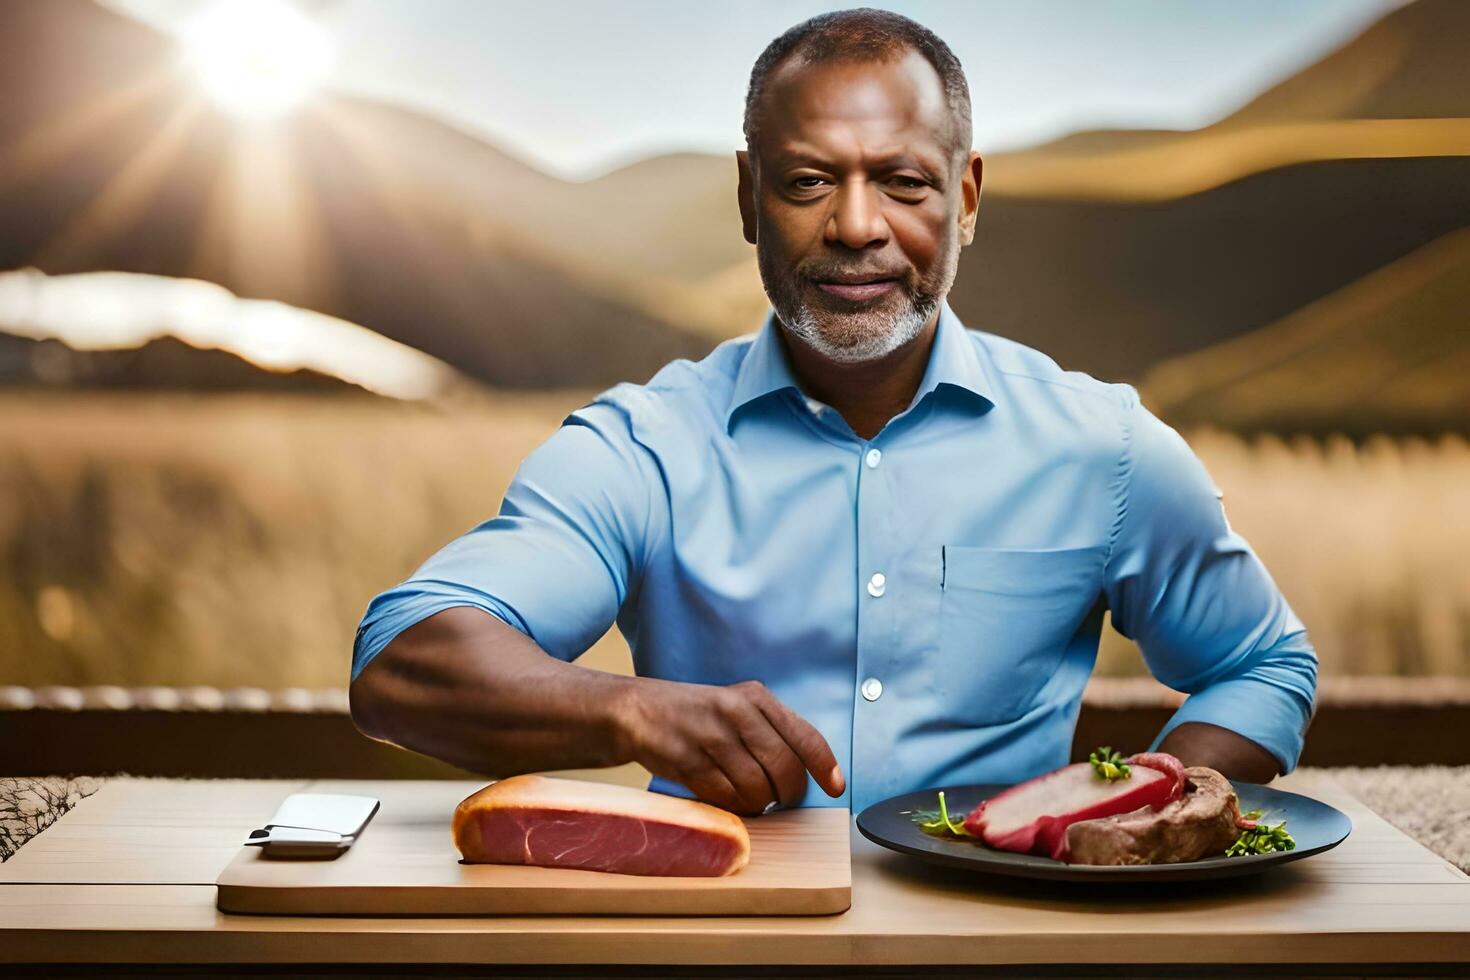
(568, 823)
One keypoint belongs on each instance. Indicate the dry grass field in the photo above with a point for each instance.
(235, 540)
(1367, 542)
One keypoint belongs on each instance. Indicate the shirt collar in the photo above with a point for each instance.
(765, 369)
(953, 360)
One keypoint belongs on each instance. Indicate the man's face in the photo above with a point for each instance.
(855, 206)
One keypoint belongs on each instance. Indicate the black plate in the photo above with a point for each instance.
(1314, 826)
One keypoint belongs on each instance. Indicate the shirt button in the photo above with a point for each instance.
(876, 584)
(872, 689)
(874, 455)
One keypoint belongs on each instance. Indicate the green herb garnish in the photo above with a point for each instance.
(1263, 839)
(938, 822)
(1108, 764)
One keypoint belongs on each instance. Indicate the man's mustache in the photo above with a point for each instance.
(851, 276)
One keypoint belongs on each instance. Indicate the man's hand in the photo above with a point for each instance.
(737, 747)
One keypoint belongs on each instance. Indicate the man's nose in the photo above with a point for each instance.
(857, 220)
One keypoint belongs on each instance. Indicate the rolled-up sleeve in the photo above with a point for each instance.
(1206, 614)
(559, 559)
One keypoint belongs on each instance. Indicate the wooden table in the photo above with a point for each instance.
(127, 878)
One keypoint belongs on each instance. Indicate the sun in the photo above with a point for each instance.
(257, 59)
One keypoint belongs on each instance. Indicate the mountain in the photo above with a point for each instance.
(1111, 288)
(1114, 251)
(377, 215)
(1111, 251)
(163, 363)
(1399, 89)
(1375, 356)
(1411, 64)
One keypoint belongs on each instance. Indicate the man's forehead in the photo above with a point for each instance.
(901, 97)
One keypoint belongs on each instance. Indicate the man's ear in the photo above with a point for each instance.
(970, 182)
(746, 193)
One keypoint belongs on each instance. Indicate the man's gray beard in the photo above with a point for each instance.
(862, 336)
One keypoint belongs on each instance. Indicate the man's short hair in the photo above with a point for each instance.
(863, 34)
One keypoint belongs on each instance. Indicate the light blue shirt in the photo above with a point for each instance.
(930, 599)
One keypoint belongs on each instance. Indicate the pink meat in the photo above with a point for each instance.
(1033, 817)
(1164, 763)
(598, 842)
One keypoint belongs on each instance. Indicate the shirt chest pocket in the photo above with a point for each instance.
(1005, 620)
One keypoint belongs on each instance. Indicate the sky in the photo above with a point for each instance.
(580, 87)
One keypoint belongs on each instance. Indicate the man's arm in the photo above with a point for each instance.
(469, 659)
(1206, 614)
(465, 687)
(1199, 743)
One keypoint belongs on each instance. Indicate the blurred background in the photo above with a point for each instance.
(287, 291)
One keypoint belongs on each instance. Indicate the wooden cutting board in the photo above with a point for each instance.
(405, 863)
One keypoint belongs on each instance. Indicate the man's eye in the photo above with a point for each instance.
(798, 182)
(910, 183)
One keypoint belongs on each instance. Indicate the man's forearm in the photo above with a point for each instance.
(464, 687)
(1197, 743)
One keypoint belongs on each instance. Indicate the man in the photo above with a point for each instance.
(861, 552)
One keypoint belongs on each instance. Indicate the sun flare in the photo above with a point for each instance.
(257, 59)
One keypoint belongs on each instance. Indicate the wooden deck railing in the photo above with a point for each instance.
(295, 733)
